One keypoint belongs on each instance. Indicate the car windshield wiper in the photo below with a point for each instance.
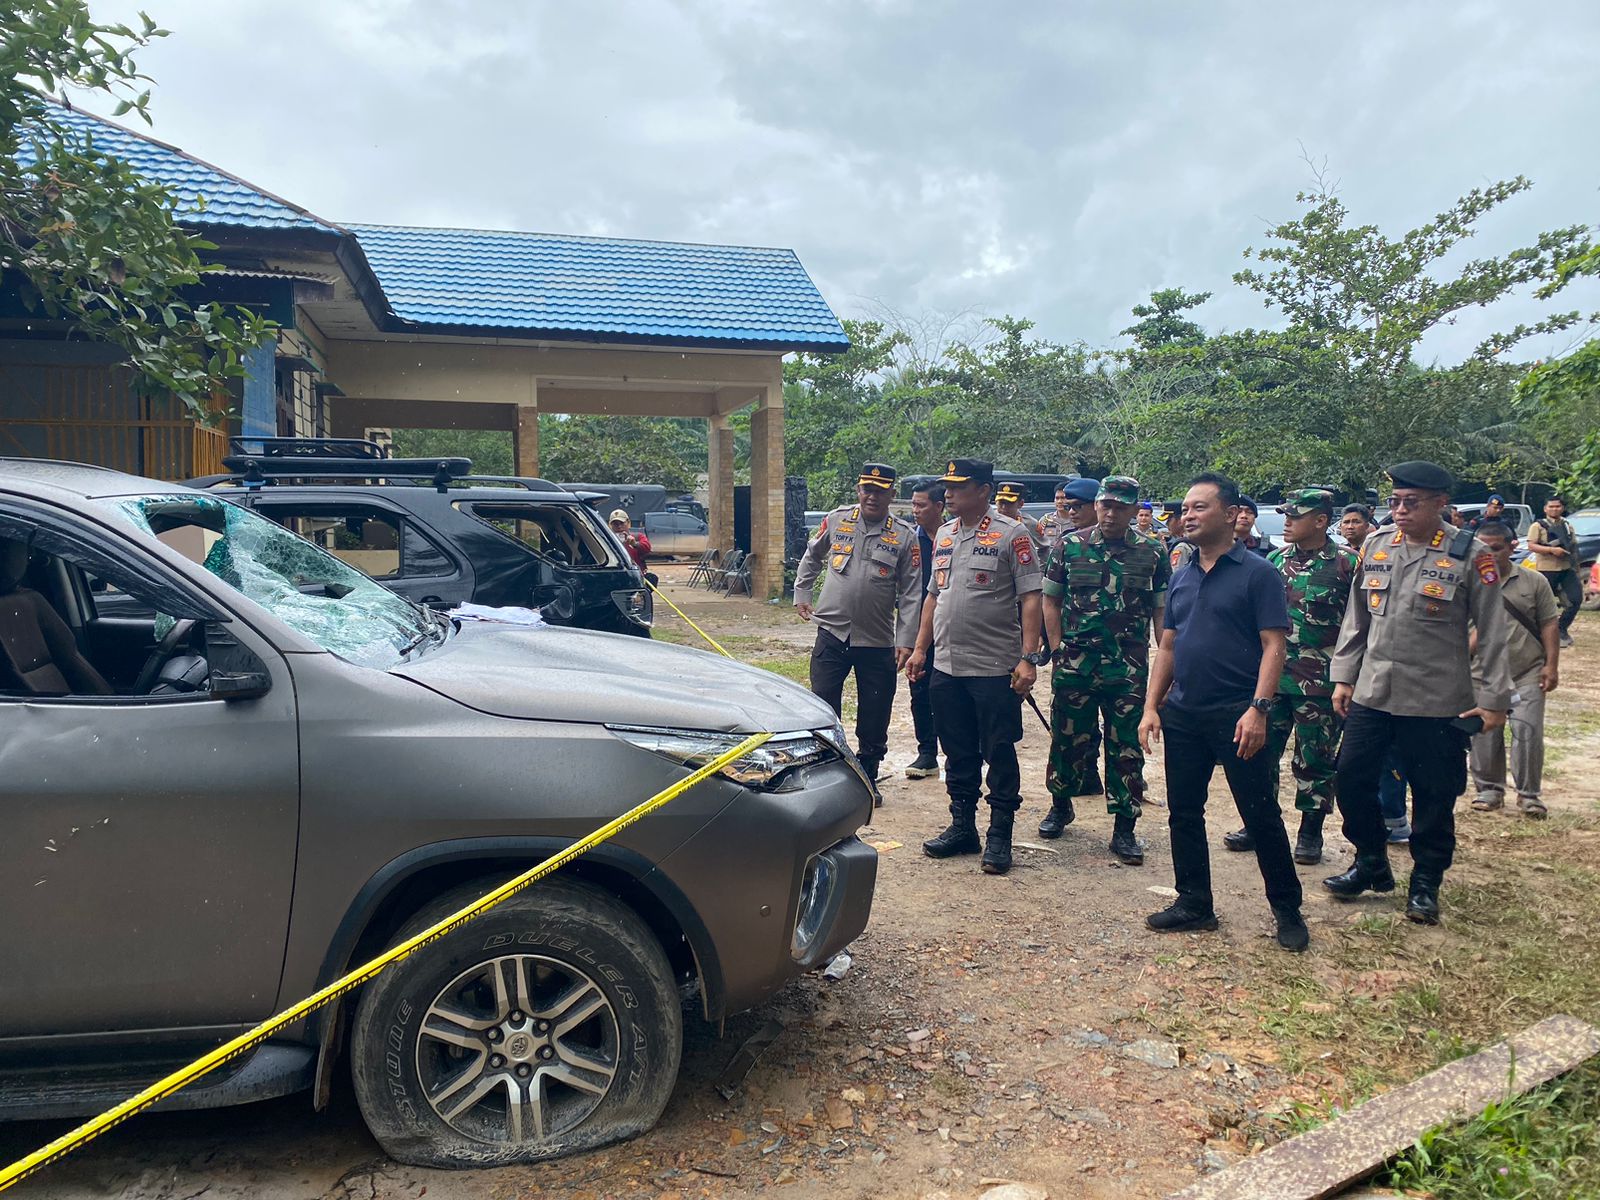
(436, 629)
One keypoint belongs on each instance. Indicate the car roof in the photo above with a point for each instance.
(510, 494)
(80, 479)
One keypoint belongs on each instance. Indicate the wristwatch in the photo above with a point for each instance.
(1038, 658)
(1260, 705)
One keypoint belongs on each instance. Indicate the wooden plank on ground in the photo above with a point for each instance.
(1320, 1162)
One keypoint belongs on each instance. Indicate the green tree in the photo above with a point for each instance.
(83, 238)
(1161, 322)
(607, 449)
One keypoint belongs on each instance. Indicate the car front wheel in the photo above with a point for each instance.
(548, 1025)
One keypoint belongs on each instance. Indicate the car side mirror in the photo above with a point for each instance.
(236, 673)
(554, 600)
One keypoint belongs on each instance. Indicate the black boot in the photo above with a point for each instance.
(1239, 840)
(869, 768)
(1308, 845)
(1370, 873)
(925, 767)
(997, 846)
(1055, 821)
(1422, 905)
(1124, 845)
(1292, 932)
(961, 837)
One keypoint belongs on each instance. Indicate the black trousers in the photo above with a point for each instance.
(922, 716)
(980, 721)
(1569, 595)
(1433, 756)
(831, 661)
(1197, 742)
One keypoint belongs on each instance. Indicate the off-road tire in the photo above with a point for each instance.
(557, 930)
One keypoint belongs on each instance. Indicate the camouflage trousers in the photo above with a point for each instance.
(1316, 733)
(1077, 704)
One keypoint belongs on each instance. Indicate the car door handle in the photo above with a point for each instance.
(432, 601)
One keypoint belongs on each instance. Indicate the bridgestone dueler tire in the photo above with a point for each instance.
(558, 920)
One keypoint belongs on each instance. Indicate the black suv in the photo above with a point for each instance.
(438, 535)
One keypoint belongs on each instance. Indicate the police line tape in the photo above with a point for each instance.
(181, 1078)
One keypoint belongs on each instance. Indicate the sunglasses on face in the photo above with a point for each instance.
(1408, 501)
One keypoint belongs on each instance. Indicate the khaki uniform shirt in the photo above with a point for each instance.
(979, 576)
(1552, 564)
(1403, 641)
(872, 579)
(1530, 595)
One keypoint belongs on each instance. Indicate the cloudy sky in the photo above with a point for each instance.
(1050, 160)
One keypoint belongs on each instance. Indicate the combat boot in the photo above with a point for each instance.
(1124, 845)
(1422, 904)
(1308, 845)
(997, 846)
(1370, 873)
(1055, 821)
(925, 767)
(1239, 840)
(961, 837)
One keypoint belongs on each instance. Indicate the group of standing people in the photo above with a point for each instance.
(1389, 653)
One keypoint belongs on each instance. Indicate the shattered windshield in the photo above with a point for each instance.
(302, 585)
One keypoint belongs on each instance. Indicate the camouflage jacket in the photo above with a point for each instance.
(1317, 587)
(1109, 592)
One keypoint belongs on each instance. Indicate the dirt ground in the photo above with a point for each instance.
(1025, 1027)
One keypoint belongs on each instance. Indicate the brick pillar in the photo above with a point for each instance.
(766, 492)
(526, 441)
(719, 482)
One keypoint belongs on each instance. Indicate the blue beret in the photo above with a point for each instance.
(1082, 489)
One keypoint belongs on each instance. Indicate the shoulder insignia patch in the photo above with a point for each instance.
(1487, 570)
(1022, 547)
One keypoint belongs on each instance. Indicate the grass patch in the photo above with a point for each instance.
(1541, 1146)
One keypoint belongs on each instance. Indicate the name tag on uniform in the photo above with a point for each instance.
(986, 551)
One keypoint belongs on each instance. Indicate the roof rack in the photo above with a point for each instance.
(250, 469)
(307, 447)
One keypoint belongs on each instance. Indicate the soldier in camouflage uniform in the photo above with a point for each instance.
(1316, 579)
(1103, 588)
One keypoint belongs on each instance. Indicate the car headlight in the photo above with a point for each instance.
(758, 769)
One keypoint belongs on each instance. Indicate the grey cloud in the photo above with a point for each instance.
(1056, 162)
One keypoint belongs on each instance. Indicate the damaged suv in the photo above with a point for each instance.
(214, 810)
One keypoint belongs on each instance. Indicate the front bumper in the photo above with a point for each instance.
(746, 872)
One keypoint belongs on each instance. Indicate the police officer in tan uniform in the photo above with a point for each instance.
(868, 612)
(1009, 497)
(1404, 678)
(980, 628)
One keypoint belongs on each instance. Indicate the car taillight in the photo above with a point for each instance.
(636, 604)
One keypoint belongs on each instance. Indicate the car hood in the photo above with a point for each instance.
(556, 674)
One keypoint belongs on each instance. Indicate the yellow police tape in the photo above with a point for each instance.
(181, 1078)
(715, 644)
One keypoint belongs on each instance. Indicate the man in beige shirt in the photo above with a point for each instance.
(1405, 677)
(1533, 651)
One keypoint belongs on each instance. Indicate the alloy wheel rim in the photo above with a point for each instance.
(517, 1048)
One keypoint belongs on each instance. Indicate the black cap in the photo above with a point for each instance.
(1247, 502)
(1428, 476)
(1010, 491)
(877, 475)
(968, 470)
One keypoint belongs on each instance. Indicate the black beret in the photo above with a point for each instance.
(1428, 476)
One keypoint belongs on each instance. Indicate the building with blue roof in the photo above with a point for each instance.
(387, 327)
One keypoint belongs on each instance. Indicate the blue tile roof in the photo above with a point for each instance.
(229, 200)
(583, 286)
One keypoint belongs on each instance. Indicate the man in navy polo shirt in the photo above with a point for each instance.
(1213, 682)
